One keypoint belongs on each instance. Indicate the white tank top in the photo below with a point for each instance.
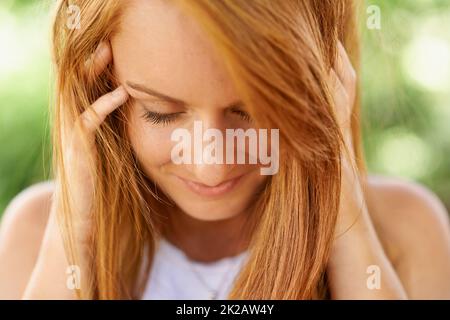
(172, 275)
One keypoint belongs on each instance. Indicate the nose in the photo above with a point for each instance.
(212, 170)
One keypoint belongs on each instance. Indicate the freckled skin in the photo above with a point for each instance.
(160, 48)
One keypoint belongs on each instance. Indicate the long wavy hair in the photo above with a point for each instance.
(278, 54)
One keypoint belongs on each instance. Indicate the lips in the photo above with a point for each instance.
(215, 191)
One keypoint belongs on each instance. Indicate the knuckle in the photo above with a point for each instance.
(353, 75)
(89, 118)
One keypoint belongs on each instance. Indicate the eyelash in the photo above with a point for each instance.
(167, 118)
(161, 118)
(242, 114)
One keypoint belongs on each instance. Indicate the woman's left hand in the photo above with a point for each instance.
(356, 248)
(344, 81)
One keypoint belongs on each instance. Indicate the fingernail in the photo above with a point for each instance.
(102, 47)
(96, 54)
(119, 92)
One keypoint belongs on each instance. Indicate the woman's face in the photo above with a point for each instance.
(175, 78)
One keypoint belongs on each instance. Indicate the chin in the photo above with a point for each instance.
(212, 211)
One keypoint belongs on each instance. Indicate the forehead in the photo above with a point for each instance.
(160, 47)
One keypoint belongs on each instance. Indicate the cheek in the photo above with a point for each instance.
(152, 146)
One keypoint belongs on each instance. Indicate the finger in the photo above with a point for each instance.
(100, 59)
(344, 68)
(93, 117)
(340, 96)
(343, 108)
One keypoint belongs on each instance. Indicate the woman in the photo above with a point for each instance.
(121, 217)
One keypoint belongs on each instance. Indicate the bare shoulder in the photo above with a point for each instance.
(21, 230)
(407, 202)
(31, 206)
(413, 225)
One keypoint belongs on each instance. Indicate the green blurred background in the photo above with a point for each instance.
(405, 80)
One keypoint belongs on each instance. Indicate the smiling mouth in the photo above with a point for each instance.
(215, 191)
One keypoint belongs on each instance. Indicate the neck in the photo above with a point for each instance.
(207, 241)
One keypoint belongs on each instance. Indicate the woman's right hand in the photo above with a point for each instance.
(79, 151)
(52, 272)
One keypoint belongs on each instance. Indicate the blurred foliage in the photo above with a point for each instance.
(405, 80)
(406, 92)
(24, 96)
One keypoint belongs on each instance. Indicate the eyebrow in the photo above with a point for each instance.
(155, 93)
(167, 98)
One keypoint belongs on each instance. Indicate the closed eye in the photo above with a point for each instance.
(167, 118)
(160, 118)
(242, 114)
